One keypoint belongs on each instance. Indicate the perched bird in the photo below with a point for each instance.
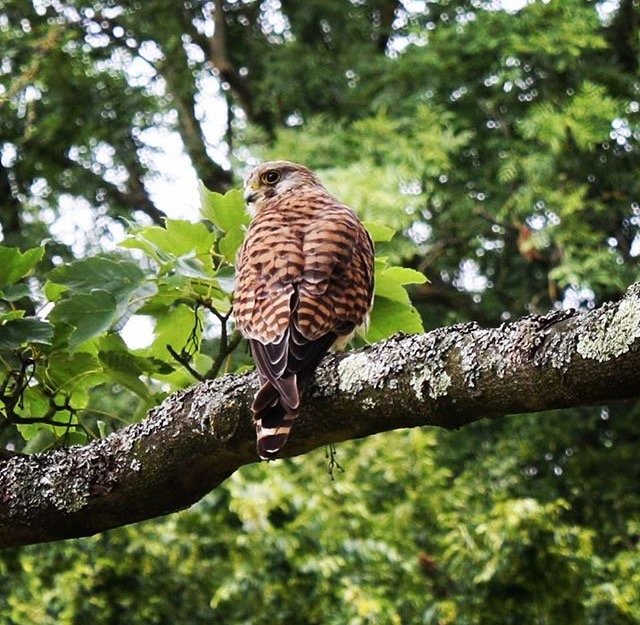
(304, 280)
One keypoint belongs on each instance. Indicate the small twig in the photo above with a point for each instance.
(333, 464)
(45, 420)
(226, 349)
(184, 360)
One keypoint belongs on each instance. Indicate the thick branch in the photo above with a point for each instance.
(198, 437)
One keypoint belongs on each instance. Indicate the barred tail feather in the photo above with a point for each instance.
(271, 440)
(282, 377)
(273, 421)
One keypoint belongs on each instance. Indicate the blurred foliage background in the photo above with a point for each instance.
(499, 141)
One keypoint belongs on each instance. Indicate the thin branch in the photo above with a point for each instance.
(226, 349)
(185, 360)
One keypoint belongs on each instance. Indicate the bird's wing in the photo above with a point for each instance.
(337, 281)
(269, 265)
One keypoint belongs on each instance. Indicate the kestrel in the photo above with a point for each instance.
(304, 281)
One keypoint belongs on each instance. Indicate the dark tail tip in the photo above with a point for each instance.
(270, 446)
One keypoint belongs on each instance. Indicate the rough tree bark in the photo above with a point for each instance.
(200, 436)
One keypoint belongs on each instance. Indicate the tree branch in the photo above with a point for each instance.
(198, 437)
(219, 58)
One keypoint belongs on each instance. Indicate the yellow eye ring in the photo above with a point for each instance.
(271, 177)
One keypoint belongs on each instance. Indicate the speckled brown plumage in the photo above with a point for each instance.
(304, 279)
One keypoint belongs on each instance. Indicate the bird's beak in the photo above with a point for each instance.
(250, 196)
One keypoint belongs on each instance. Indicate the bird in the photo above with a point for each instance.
(304, 282)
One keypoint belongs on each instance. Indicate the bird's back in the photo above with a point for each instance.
(304, 278)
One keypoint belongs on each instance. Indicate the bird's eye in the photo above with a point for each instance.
(271, 177)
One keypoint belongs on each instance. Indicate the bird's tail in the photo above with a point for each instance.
(274, 412)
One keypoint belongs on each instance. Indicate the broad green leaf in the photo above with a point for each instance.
(123, 367)
(19, 332)
(405, 275)
(230, 243)
(225, 211)
(173, 327)
(43, 439)
(53, 291)
(117, 276)
(386, 286)
(15, 264)
(136, 300)
(35, 403)
(10, 315)
(12, 293)
(180, 377)
(113, 342)
(177, 238)
(90, 314)
(136, 242)
(74, 437)
(192, 267)
(71, 373)
(389, 281)
(379, 232)
(226, 279)
(389, 317)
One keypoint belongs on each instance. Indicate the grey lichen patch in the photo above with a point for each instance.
(532, 340)
(557, 351)
(160, 418)
(612, 333)
(436, 379)
(480, 354)
(358, 371)
(368, 403)
(374, 367)
(62, 482)
(65, 486)
(216, 405)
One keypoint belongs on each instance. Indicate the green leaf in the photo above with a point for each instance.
(178, 237)
(53, 291)
(136, 300)
(225, 211)
(90, 314)
(123, 367)
(119, 277)
(173, 327)
(385, 286)
(15, 264)
(71, 373)
(405, 275)
(10, 315)
(12, 293)
(389, 282)
(19, 332)
(389, 317)
(43, 439)
(74, 437)
(379, 232)
(231, 242)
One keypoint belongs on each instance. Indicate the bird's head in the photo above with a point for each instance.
(270, 180)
